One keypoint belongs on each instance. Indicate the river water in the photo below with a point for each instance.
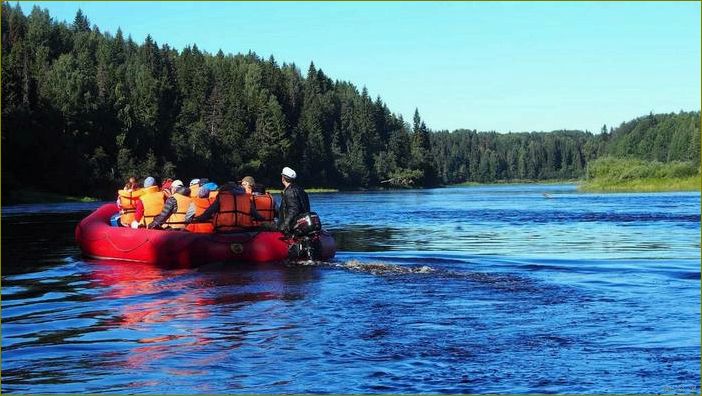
(515, 288)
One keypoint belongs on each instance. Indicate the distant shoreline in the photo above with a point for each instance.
(692, 183)
(516, 181)
(603, 186)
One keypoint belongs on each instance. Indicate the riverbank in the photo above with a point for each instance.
(691, 183)
(515, 181)
(643, 185)
(633, 175)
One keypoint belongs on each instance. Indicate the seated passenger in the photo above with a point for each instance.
(213, 187)
(173, 213)
(127, 201)
(131, 184)
(166, 187)
(198, 206)
(232, 210)
(150, 203)
(194, 187)
(263, 203)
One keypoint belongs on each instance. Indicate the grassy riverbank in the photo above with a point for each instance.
(643, 185)
(516, 181)
(630, 175)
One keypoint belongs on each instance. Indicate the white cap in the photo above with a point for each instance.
(289, 173)
(194, 182)
(176, 183)
(149, 181)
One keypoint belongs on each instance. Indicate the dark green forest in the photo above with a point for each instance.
(82, 110)
(465, 155)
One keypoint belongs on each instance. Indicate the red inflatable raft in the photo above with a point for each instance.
(97, 239)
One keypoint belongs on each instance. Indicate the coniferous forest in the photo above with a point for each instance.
(82, 110)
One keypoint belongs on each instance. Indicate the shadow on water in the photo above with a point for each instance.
(35, 241)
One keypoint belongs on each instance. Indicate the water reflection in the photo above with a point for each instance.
(178, 312)
(37, 241)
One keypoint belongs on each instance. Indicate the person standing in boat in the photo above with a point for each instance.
(294, 201)
(175, 208)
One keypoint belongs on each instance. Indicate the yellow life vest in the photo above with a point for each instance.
(153, 200)
(177, 219)
(194, 189)
(127, 205)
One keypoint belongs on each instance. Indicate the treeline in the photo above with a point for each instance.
(83, 110)
(657, 137)
(466, 155)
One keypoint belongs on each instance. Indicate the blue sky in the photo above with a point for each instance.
(503, 66)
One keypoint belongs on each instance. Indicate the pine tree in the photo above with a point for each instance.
(80, 22)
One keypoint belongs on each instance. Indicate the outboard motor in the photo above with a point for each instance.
(306, 232)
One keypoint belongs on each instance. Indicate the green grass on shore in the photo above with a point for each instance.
(691, 183)
(611, 174)
(516, 181)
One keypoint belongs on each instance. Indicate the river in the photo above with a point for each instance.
(508, 289)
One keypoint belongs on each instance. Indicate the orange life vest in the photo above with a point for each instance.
(153, 200)
(201, 204)
(127, 204)
(234, 212)
(265, 206)
(177, 219)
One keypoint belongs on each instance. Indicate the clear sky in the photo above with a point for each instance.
(503, 66)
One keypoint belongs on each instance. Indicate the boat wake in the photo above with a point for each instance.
(374, 268)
